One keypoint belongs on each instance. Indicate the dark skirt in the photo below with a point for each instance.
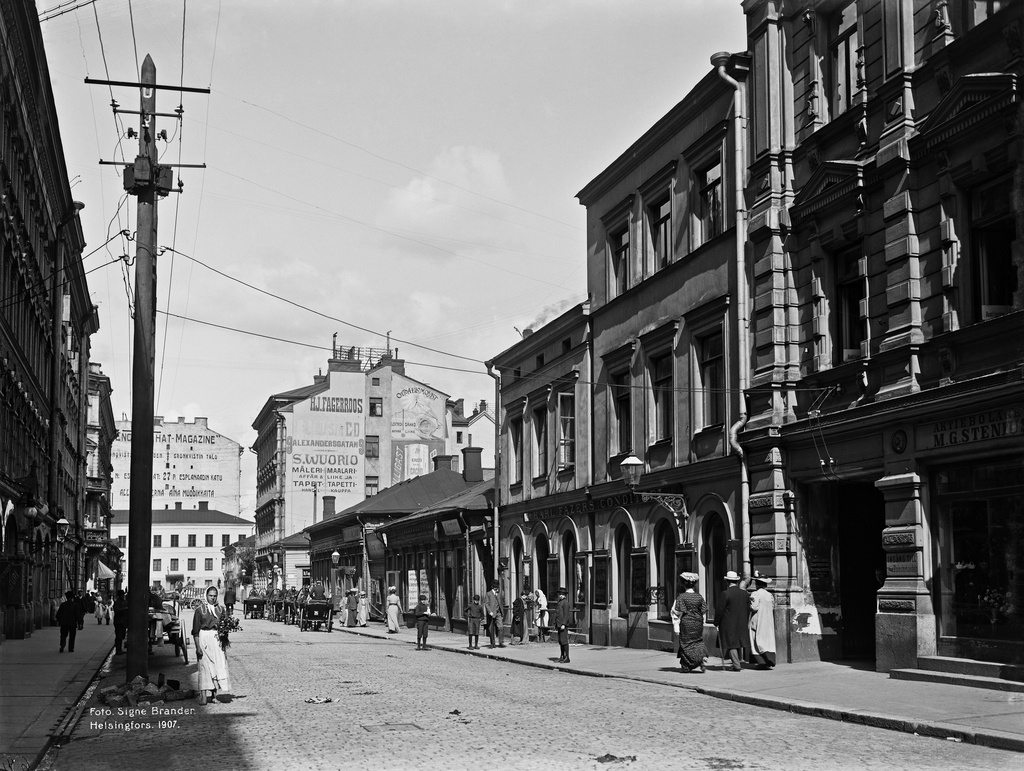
(517, 627)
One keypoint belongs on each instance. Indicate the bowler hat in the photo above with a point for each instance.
(732, 575)
(562, 590)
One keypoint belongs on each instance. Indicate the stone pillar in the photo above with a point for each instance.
(905, 620)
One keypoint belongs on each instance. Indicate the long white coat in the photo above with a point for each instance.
(762, 622)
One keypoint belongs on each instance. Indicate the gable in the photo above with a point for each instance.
(973, 99)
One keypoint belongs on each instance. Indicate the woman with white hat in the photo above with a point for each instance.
(731, 616)
(762, 624)
(688, 613)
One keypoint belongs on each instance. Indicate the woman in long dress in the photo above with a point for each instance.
(363, 614)
(394, 610)
(762, 624)
(543, 622)
(213, 664)
(688, 614)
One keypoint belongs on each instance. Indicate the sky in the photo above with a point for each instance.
(402, 167)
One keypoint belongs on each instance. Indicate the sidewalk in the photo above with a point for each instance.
(835, 690)
(39, 686)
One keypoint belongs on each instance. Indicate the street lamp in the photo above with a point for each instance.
(335, 557)
(62, 529)
(632, 469)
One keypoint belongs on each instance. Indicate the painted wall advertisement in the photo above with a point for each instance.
(325, 442)
(418, 428)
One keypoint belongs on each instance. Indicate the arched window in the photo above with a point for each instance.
(517, 567)
(665, 566)
(713, 558)
(623, 552)
(573, 582)
(540, 556)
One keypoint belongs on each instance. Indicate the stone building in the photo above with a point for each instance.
(103, 556)
(46, 318)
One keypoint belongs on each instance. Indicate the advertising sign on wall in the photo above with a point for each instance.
(418, 429)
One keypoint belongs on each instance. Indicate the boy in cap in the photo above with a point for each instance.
(474, 615)
(422, 614)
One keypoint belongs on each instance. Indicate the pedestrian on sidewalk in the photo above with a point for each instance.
(688, 614)
(541, 601)
(492, 611)
(394, 610)
(422, 614)
(363, 614)
(351, 607)
(120, 611)
(210, 659)
(230, 598)
(563, 620)
(474, 615)
(519, 619)
(762, 624)
(68, 615)
(731, 617)
(82, 606)
(102, 611)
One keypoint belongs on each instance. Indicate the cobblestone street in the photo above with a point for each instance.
(396, 708)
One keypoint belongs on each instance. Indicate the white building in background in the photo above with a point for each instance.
(187, 543)
(191, 463)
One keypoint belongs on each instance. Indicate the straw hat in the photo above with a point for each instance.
(732, 575)
(690, 578)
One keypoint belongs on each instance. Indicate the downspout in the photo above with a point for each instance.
(497, 461)
(719, 62)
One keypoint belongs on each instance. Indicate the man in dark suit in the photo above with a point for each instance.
(731, 617)
(563, 620)
(68, 615)
(492, 613)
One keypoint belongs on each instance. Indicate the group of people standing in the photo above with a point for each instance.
(744, 619)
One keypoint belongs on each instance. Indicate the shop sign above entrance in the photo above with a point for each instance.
(587, 506)
(1003, 423)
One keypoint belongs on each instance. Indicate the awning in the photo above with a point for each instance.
(103, 572)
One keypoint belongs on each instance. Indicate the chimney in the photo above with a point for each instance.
(329, 506)
(443, 461)
(177, 505)
(460, 407)
(483, 405)
(472, 469)
(204, 505)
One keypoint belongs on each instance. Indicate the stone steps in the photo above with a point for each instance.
(966, 672)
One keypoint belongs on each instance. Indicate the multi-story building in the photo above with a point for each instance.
(191, 462)
(103, 556)
(46, 318)
(187, 543)
(361, 427)
(885, 439)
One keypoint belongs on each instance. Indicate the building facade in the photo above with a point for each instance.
(46, 318)
(103, 556)
(885, 438)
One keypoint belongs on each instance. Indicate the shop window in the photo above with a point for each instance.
(208, 564)
(622, 407)
(191, 564)
(208, 540)
(372, 486)
(157, 566)
(376, 407)
(850, 328)
(713, 559)
(665, 567)
(157, 541)
(709, 187)
(993, 231)
(842, 58)
(566, 430)
(191, 540)
(620, 258)
(623, 552)
(540, 441)
(372, 446)
(515, 441)
(572, 571)
(664, 396)
(710, 351)
(659, 225)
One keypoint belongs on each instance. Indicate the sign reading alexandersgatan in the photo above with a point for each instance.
(191, 463)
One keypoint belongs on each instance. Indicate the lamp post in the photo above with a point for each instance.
(632, 469)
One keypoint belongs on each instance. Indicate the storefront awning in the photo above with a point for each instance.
(103, 572)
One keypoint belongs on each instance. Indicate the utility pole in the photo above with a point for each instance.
(148, 180)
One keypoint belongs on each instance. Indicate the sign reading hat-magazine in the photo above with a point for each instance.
(325, 446)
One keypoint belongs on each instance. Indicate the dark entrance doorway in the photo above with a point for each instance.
(861, 509)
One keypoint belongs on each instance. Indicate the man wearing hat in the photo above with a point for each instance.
(762, 624)
(731, 614)
(563, 618)
(492, 614)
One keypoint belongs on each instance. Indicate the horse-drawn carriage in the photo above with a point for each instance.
(165, 626)
(191, 596)
(314, 614)
(255, 605)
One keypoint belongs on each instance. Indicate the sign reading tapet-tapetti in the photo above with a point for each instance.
(325, 442)
(417, 428)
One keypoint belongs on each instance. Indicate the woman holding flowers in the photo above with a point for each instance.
(213, 665)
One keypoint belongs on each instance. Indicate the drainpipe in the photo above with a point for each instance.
(719, 62)
(497, 461)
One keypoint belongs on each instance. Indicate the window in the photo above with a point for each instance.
(622, 406)
(664, 396)
(372, 446)
(157, 566)
(192, 540)
(225, 540)
(174, 565)
(993, 274)
(375, 381)
(566, 430)
(376, 407)
(122, 541)
(208, 540)
(711, 363)
(851, 329)
(191, 564)
(665, 567)
(709, 184)
(372, 486)
(208, 564)
(174, 542)
(623, 552)
(977, 11)
(540, 441)
(659, 219)
(842, 55)
(540, 361)
(157, 541)
(619, 242)
(458, 437)
(516, 449)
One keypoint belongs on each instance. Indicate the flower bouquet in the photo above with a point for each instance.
(996, 601)
(225, 626)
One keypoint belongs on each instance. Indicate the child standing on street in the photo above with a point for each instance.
(474, 615)
(422, 613)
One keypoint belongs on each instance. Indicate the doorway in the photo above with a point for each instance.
(861, 510)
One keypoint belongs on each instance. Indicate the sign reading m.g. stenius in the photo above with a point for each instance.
(325, 443)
